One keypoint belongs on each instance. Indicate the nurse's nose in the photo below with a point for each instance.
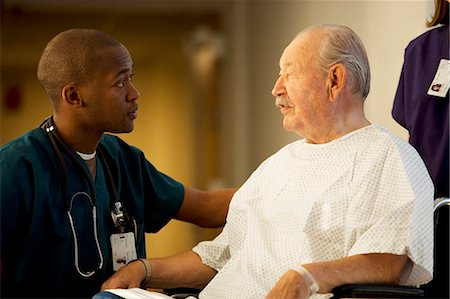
(133, 93)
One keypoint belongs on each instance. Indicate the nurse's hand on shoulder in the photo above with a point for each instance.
(291, 285)
(129, 276)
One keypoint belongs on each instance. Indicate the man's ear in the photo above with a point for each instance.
(70, 95)
(336, 79)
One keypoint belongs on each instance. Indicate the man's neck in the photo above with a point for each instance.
(349, 119)
(81, 140)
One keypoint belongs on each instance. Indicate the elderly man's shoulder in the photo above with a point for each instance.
(384, 142)
(389, 139)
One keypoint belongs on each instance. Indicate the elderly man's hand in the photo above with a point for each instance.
(291, 285)
(129, 276)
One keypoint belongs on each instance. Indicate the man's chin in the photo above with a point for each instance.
(122, 130)
(287, 125)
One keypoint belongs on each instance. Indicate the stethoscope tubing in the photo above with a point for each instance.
(57, 143)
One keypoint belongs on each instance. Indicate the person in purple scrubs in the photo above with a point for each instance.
(420, 106)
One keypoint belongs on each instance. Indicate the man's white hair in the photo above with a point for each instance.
(342, 45)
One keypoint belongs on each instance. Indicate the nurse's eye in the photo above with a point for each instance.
(122, 82)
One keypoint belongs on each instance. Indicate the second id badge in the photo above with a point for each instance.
(123, 249)
(441, 82)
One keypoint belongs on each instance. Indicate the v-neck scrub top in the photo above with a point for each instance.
(37, 246)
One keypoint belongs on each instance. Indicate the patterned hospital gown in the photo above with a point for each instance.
(366, 192)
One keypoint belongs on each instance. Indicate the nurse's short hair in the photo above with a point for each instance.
(342, 45)
(70, 57)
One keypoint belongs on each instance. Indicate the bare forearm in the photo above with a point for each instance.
(363, 268)
(206, 209)
(182, 270)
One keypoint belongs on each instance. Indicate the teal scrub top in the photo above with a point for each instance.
(37, 246)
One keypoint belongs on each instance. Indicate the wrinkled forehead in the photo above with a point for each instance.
(303, 50)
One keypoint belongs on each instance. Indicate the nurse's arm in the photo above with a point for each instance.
(184, 270)
(205, 208)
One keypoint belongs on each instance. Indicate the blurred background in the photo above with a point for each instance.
(205, 70)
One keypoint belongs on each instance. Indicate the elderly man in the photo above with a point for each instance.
(349, 203)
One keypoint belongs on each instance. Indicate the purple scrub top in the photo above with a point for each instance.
(423, 115)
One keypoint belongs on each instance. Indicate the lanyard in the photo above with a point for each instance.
(119, 216)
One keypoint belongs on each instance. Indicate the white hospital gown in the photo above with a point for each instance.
(366, 192)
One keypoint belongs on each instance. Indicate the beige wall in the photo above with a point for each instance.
(32, 110)
(384, 26)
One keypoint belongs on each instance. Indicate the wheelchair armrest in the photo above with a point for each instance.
(377, 291)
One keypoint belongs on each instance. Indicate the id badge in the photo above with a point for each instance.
(441, 82)
(123, 249)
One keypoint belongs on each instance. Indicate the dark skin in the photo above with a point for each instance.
(108, 103)
(88, 77)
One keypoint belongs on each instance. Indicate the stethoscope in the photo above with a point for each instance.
(121, 220)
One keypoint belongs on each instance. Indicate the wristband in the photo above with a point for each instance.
(313, 286)
(148, 270)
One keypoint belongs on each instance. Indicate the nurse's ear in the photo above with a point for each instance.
(70, 95)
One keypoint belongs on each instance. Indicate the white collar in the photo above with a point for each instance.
(87, 157)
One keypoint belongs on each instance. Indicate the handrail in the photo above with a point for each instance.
(440, 201)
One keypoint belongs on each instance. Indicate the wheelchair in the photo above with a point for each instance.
(437, 288)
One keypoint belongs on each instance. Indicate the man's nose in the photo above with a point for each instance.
(133, 93)
(277, 88)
